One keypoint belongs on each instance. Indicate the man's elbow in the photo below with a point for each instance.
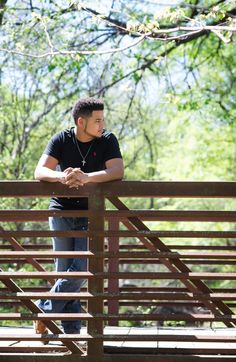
(119, 174)
(37, 174)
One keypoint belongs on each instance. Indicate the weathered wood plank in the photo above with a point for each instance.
(120, 188)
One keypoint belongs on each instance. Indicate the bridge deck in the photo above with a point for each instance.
(139, 346)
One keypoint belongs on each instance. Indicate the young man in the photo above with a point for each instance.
(84, 153)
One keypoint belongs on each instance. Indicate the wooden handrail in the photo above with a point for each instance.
(148, 189)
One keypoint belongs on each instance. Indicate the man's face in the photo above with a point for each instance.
(94, 124)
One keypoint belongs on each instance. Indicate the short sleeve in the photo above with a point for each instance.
(112, 149)
(54, 147)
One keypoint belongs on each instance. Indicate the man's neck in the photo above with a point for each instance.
(83, 136)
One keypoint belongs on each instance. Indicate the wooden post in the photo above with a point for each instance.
(113, 266)
(96, 265)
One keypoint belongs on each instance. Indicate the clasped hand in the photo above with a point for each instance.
(74, 177)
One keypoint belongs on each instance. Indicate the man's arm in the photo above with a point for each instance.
(46, 170)
(114, 171)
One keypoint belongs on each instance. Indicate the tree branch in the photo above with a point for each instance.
(76, 52)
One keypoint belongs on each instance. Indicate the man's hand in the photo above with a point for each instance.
(62, 175)
(75, 177)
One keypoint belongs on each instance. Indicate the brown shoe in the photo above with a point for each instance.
(40, 327)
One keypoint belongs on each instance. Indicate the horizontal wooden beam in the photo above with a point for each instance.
(124, 354)
(134, 247)
(120, 189)
(124, 337)
(153, 215)
(121, 275)
(120, 317)
(120, 233)
(120, 255)
(120, 296)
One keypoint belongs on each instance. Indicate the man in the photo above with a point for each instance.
(84, 153)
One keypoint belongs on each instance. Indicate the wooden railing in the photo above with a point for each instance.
(161, 277)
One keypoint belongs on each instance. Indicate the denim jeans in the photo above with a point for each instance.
(76, 264)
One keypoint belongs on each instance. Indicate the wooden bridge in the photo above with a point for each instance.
(176, 303)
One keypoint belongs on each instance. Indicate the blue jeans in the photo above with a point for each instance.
(76, 264)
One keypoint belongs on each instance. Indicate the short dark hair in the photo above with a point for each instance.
(85, 106)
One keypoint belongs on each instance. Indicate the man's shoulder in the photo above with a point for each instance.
(63, 135)
(110, 145)
(107, 135)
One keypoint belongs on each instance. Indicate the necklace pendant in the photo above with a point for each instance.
(82, 156)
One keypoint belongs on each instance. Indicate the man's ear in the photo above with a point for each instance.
(80, 122)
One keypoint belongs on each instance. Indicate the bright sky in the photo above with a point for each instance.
(104, 5)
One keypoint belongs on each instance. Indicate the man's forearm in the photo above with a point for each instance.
(46, 174)
(78, 178)
(105, 175)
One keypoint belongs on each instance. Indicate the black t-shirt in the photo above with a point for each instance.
(63, 146)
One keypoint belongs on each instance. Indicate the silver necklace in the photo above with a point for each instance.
(83, 157)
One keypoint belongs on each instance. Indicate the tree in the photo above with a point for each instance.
(116, 52)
